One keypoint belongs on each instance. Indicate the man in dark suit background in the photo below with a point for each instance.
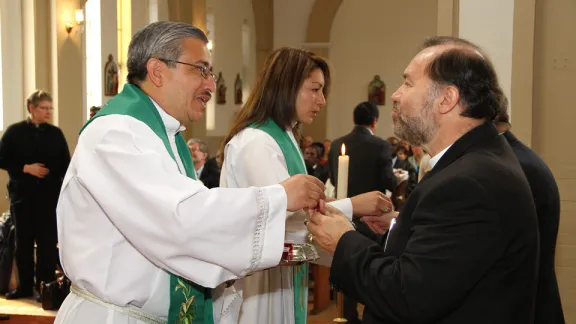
(547, 200)
(405, 187)
(207, 170)
(370, 169)
(464, 248)
(312, 156)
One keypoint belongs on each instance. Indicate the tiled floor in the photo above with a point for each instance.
(25, 311)
(29, 311)
(28, 319)
(26, 306)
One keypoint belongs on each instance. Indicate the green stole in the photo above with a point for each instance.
(189, 303)
(292, 155)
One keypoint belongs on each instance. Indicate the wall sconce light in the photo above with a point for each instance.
(68, 27)
(79, 17)
(209, 45)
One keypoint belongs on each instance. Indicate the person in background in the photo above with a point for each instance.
(324, 160)
(422, 161)
(311, 157)
(402, 153)
(306, 142)
(36, 156)
(207, 169)
(94, 110)
(548, 306)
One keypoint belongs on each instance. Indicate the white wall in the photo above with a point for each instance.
(383, 43)
(162, 10)
(109, 34)
(29, 46)
(227, 57)
(291, 22)
(140, 15)
(492, 30)
(11, 94)
(12, 63)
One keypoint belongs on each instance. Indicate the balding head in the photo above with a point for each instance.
(449, 87)
(462, 64)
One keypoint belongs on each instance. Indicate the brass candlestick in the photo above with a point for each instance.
(340, 309)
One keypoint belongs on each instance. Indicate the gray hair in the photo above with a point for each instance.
(161, 39)
(201, 144)
(36, 97)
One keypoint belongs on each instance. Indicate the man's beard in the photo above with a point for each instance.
(417, 131)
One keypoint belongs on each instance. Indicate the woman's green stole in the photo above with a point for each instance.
(189, 303)
(293, 158)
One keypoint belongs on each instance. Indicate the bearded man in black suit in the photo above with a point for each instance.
(464, 248)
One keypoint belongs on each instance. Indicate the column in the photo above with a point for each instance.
(109, 37)
(42, 34)
(12, 63)
(29, 44)
(192, 12)
(508, 38)
(67, 76)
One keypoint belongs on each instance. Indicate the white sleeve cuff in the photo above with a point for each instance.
(345, 206)
(273, 232)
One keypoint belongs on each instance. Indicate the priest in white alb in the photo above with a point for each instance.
(141, 240)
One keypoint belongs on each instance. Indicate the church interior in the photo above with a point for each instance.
(77, 51)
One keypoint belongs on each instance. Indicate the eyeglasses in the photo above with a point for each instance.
(204, 69)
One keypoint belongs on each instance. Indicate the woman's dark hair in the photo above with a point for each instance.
(274, 94)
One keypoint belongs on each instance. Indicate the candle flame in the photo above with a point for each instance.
(343, 149)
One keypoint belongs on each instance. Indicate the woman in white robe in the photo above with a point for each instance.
(291, 89)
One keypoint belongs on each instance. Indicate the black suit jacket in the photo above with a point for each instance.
(370, 162)
(210, 175)
(464, 248)
(321, 171)
(547, 199)
(370, 166)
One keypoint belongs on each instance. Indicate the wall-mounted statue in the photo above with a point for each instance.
(220, 90)
(238, 90)
(377, 91)
(111, 77)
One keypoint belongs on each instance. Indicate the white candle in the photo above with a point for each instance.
(343, 163)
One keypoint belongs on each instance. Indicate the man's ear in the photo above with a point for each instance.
(155, 69)
(449, 98)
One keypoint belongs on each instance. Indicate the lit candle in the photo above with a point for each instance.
(343, 163)
(342, 192)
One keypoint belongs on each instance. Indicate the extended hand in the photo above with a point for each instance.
(37, 169)
(303, 192)
(379, 224)
(372, 203)
(327, 226)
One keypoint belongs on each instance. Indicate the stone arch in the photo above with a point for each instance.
(321, 19)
